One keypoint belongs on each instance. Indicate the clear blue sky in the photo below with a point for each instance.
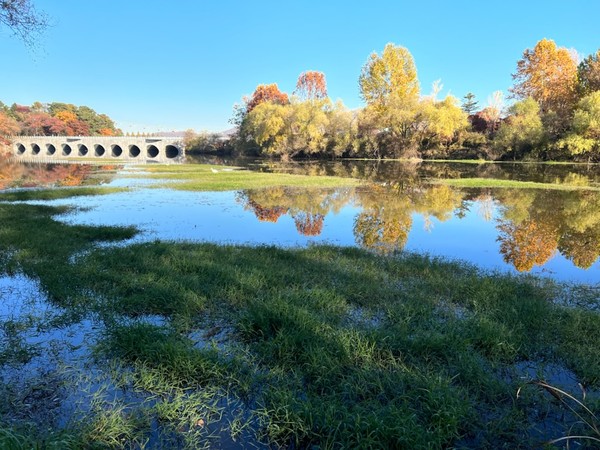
(172, 65)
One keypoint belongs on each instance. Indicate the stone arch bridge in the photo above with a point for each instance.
(98, 148)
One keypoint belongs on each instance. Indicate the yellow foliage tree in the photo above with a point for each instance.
(66, 116)
(391, 76)
(527, 244)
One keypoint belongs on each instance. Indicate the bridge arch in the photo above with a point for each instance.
(66, 150)
(152, 151)
(35, 149)
(134, 151)
(21, 149)
(116, 151)
(171, 151)
(99, 150)
(50, 149)
(82, 150)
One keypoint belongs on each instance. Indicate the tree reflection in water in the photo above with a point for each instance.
(532, 224)
(19, 175)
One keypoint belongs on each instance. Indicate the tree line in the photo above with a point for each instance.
(54, 119)
(555, 114)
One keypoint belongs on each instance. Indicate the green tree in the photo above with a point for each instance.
(522, 133)
(588, 73)
(469, 104)
(584, 137)
(56, 107)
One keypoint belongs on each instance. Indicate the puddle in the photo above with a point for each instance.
(551, 419)
(50, 378)
(38, 343)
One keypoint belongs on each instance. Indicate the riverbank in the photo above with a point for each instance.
(203, 345)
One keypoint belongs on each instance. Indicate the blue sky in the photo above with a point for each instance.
(156, 65)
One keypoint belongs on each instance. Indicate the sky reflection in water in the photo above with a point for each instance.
(439, 220)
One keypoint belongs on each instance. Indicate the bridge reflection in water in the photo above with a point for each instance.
(72, 148)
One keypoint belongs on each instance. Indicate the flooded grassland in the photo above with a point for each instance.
(138, 316)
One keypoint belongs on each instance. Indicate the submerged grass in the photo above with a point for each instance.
(199, 177)
(58, 193)
(328, 347)
(495, 183)
(344, 348)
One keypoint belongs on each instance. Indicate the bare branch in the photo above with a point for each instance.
(23, 19)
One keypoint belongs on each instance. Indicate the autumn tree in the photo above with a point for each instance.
(391, 76)
(266, 214)
(583, 249)
(311, 85)
(440, 121)
(42, 124)
(385, 221)
(266, 93)
(438, 201)
(301, 127)
(106, 132)
(21, 17)
(8, 127)
(341, 131)
(309, 224)
(588, 73)
(530, 243)
(288, 130)
(66, 116)
(548, 74)
(55, 108)
(389, 85)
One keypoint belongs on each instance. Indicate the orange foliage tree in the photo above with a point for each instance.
(527, 244)
(311, 85)
(548, 74)
(309, 224)
(8, 127)
(266, 214)
(106, 132)
(266, 93)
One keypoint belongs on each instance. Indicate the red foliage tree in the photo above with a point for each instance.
(43, 124)
(78, 128)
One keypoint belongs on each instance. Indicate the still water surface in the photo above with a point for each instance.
(555, 233)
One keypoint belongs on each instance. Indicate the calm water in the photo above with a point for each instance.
(550, 232)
